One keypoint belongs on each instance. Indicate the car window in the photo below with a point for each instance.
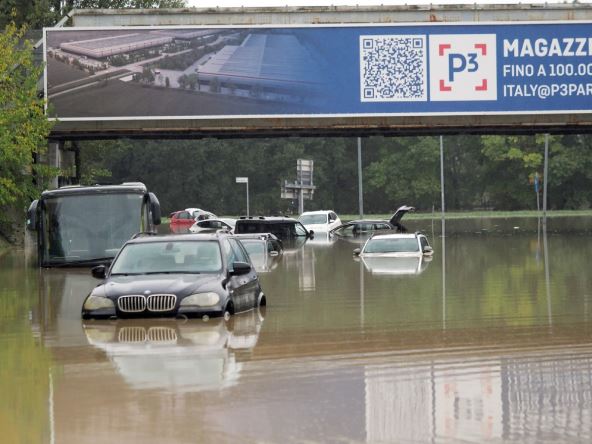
(239, 252)
(381, 227)
(228, 252)
(184, 215)
(254, 247)
(310, 219)
(333, 216)
(401, 245)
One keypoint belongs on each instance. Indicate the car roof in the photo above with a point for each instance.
(306, 213)
(256, 236)
(266, 219)
(368, 221)
(395, 236)
(146, 238)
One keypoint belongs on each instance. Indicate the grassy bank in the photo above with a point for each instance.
(474, 214)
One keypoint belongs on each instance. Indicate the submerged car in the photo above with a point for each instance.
(285, 228)
(395, 245)
(199, 214)
(320, 221)
(264, 250)
(184, 275)
(212, 225)
(368, 226)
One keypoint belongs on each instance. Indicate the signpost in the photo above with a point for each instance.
(303, 187)
(245, 180)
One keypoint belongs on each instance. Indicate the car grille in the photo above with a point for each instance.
(136, 303)
(132, 303)
(132, 334)
(161, 302)
(160, 335)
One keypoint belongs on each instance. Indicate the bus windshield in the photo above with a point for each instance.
(83, 228)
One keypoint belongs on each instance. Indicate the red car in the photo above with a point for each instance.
(181, 221)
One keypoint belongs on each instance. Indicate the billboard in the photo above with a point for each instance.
(427, 69)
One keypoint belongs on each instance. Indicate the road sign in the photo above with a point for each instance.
(242, 180)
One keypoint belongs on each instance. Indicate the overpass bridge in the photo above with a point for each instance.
(86, 102)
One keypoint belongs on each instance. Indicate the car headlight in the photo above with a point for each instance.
(97, 302)
(201, 299)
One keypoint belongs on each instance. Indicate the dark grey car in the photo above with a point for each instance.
(363, 227)
(190, 275)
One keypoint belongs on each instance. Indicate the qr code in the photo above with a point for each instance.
(393, 68)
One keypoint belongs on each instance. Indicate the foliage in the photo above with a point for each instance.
(39, 13)
(23, 125)
(481, 172)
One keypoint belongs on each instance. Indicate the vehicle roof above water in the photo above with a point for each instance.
(256, 236)
(126, 187)
(141, 239)
(395, 236)
(307, 213)
(266, 219)
(367, 221)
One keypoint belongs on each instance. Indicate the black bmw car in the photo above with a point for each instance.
(181, 275)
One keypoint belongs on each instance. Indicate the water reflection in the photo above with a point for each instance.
(490, 341)
(179, 356)
(396, 265)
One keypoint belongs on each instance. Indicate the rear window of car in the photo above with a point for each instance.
(402, 245)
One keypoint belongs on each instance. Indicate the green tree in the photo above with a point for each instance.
(406, 171)
(33, 13)
(23, 125)
(509, 162)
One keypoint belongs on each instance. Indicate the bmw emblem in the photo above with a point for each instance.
(147, 292)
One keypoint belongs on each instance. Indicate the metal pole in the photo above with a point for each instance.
(300, 200)
(360, 190)
(442, 174)
(248, 199)
(546, 175)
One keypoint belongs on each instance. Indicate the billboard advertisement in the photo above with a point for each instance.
(318, 71)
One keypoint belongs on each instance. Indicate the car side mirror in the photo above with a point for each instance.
(99, 271)
(32, 216)
(154, 208)
(357, 252)
(311, 234)
(240, 268)
(427, 249)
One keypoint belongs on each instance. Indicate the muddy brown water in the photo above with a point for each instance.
(491, 340)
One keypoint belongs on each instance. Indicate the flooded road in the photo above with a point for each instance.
(491, 340)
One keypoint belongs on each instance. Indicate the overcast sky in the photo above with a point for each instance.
(253, 3)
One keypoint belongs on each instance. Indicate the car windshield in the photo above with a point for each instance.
(169, 257)
(401, 245)
(310, 219)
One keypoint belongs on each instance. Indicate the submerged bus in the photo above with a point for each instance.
(87, 225)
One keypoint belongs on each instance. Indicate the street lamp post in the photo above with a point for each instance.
(245, 180)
